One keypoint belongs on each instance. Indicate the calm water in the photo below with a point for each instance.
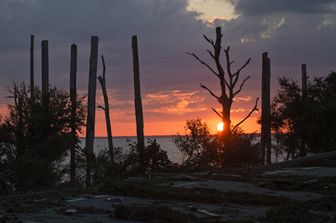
(166, 143)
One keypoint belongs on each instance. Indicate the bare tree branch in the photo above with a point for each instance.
(206, 88)
(209, 40)
(241, 86)
(99, 106)
(211, 54)
(236, 74)
(205, 64)
(217, 113)
(103, 61)
(249, 114)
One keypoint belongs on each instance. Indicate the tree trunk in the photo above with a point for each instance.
(106, 109)
(73, 99)
(138, 105)
(45, 76)
(266, 110)
(32, 84)
(304, 79)
(91, 111)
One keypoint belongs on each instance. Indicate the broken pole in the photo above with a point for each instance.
(106, 109)
(32, 84)
(138, 105)
(45, 75)
(266, 109)
(91, 111)
(73, 100)
(304, 80)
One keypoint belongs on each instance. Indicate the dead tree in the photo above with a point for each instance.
(45, 75)
(32, 84)
(265, 139)
(138, 105)
(228, 84)
(304, 79)
(73, 99)
(91, 111)
(106, 109)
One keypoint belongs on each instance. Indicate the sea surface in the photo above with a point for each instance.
(166, 143)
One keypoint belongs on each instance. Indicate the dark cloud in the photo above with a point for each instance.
(266, 7)
(293, 32)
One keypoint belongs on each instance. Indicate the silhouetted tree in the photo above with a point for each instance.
(73, 100)
(106, 109)
(310, 122)
(33, 150)
(228, 84)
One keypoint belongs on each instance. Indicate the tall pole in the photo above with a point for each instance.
(304, 80)
(45, 75)
(91, 113)
(73, 99)
(138, 105)
(266, 109)
(32, 84)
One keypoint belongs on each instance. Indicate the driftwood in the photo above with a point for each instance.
(138, 105)
(106, 109)
(73, 99)
(266, 109)
(91, 111)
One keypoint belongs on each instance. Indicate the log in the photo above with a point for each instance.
(106, 109)
(266, 110)
(138, 105)
(91, 110)
(73, 100)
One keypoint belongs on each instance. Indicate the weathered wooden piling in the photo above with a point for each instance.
(266, 109)
(304, 79)
(45, 75)
(106, 109)
(32, 84)
(91, 111)
(73, 99)
(138, 104)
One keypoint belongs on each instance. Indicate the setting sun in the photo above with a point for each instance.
(220, 126)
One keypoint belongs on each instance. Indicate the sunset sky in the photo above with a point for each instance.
(293, 32)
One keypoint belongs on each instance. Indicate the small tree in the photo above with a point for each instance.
(228, 84)
(33, 149)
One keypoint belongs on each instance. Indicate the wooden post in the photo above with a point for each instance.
(106, 109)
(91, 111)
(32, 84)
(73, 99)
(304, 79)
(266, 110)
(138, 105)
(45, 75)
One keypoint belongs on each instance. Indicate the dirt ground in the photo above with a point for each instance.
(281, 194)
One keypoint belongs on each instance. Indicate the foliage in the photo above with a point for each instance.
(201, 149)
(34, 142)
(128, 162)
(305, 125)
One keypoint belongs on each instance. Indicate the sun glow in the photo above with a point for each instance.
(220, 126)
